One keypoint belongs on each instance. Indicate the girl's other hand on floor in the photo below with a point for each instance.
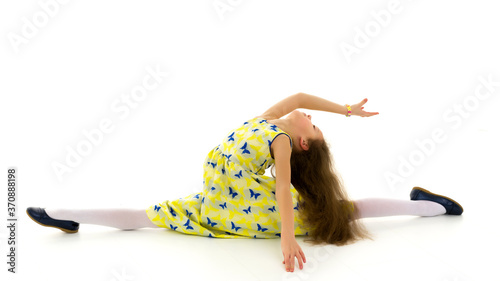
(291, 249)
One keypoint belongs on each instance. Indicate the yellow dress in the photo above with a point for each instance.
(238, 200)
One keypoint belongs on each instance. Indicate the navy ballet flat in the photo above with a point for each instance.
(40, 216)
(452, 207)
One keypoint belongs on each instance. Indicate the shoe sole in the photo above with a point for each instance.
(427, 191)
(63, 229)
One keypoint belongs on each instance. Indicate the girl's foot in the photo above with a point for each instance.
(40, 216)
(452, 207)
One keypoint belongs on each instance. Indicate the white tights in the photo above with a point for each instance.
(137, 218)
(120, 218)
(381, 207)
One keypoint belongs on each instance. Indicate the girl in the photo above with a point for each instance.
(305, 197)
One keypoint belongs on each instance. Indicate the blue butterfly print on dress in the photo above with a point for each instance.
(247, 210)
(231, 192)
(296, 207)
(211, 223)
(278, 234)
(260, 228)
(188, 213)
(197, 196)
(254, 194)
(263, 121)
(245, 150)
(212, 188)
(273, 209)
(236, 228)
(223, 205)
(239, 175)
(187, 225)
(274, 128)
(255, 130)
(230, 138)
(173, 227)
(173, 212)
(157, 208)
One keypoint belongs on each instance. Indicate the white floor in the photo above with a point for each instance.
(83, 70)
(444, 248)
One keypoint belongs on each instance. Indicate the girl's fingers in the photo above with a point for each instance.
(287, 262)
(299, 258)
(368, 113)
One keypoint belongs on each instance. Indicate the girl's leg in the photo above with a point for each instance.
(119, 218)
(380, 207)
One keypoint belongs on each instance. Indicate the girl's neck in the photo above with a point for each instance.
(284, 125)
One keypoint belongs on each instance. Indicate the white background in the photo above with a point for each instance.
(63, 66)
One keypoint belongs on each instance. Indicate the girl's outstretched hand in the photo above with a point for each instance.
(291, 249)
(357, 109)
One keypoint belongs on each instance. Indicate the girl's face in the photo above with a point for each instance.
(303, 126)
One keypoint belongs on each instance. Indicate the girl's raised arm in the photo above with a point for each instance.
(283, 107)
(306, 101)
(317, 103)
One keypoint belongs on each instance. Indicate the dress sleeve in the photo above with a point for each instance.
(283, 133)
